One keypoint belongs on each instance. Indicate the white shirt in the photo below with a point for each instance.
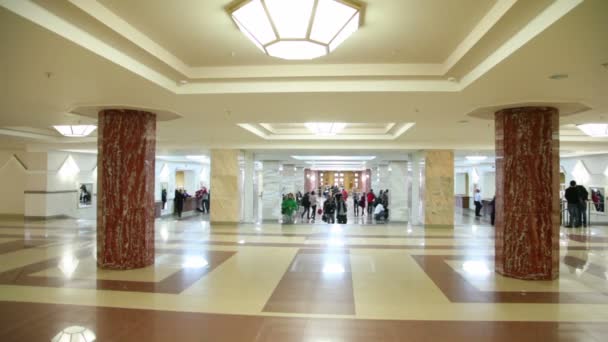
(379, 209)
(312, 199)
(477, 197)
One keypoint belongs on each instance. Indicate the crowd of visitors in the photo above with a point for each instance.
(334, 207)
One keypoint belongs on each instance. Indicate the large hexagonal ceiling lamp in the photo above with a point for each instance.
(297, 29)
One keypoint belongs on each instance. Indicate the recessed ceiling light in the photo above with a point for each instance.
(596, 130)
(325, 128)
(558, 76)
(476, 158)
(304, 29)
(183, 82)
(452, 79)
(333, 158)
(75, 131)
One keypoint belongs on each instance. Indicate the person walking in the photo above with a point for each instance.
(356, 203)
(362, 203)
(289, 208)
(371, 197)
(583, 197)
(306, 205)
(313, 204)
(573, 199)
(477, 201)
(163, 198)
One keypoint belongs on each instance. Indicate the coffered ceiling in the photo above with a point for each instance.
(426, 63)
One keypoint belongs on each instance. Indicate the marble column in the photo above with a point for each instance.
(527, 193)
(398, 193)
(248, 187)
(439, 189)
(225, 204)
(288, 179)
(416, 216)
(299, 177)
(125, 188)
(271, 193)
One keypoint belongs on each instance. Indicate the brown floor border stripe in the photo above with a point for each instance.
(25, 322)
(458, 290)
(316, 282)
(173, 284)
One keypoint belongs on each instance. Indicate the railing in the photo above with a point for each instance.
(565, 214)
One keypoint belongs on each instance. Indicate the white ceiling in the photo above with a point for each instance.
(59, 54)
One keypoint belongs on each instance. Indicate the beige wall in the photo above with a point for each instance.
(225, 195)
(12, 185)
(439, 188)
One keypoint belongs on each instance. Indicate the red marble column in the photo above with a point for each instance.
(527, 193)
(125, 189)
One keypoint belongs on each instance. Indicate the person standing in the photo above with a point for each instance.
(329, 208)
(356, 203)
(385, 203)
(341, 209)
(493, 208)
(371, 197)
(573, 199)
(477, 201)
(313, 204)
(163, 198)
(179, 202)
(583, 197)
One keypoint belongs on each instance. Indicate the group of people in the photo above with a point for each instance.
(334, 208)
(576, 197)
(202, 198)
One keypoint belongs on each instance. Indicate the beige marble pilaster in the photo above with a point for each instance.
(225, 194)
(439, 188)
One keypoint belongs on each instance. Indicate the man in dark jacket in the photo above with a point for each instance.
(573, 198)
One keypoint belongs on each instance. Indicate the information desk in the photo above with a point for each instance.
(190, 204)
(462, 201)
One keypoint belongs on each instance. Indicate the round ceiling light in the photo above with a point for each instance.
(298, 29)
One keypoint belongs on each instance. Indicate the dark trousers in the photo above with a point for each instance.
(492, 218)
(342, 219)
(205, 206)
(582, 214)
(573, 212)
(356, 208)
(370, 208)
(306, 211)
(314, 211)
(478, 208)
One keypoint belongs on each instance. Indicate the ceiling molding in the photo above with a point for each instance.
(268, 132)
(246, 79)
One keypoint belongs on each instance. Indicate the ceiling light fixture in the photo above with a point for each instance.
(596, 130)
(476, 158)
(75, 131)
(325, 128)
(333, 158)
(299, 29)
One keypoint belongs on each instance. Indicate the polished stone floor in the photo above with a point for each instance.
(318, 283)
